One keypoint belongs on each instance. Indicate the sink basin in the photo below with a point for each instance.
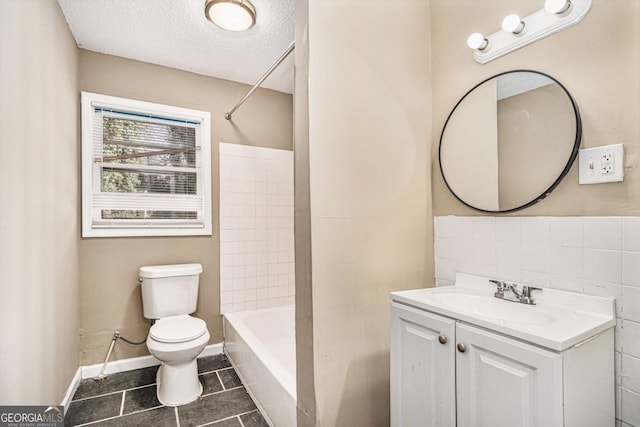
(492, 308)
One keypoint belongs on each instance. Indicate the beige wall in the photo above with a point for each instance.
(306, 404)
(369, 126)
(537, 133)
(109, 290)
(39, 222)
(475, 179)
(597, 61)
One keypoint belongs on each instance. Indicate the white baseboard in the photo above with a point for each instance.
(130, 364)
(73, 386)
(122, 365)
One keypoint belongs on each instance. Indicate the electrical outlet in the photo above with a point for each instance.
(601, 164)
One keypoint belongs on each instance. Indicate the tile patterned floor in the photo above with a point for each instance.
(129, 399)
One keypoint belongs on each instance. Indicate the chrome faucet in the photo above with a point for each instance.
(522, 296)
(500, 288)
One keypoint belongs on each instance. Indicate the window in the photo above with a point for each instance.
(146, 168)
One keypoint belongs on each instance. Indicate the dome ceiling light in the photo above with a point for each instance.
(231, 15)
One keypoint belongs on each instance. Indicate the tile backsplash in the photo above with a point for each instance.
(592, 255)
(256, 228)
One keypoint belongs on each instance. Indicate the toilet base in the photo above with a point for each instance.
(178, 384)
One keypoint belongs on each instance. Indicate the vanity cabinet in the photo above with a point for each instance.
(445, 372)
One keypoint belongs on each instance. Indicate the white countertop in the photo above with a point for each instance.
(564, 319)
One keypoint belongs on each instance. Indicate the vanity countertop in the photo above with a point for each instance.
(558, 321)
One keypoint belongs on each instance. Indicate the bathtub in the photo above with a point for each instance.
(260, 344)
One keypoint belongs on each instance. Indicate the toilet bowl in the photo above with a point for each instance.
(169, 296)
(176, 342)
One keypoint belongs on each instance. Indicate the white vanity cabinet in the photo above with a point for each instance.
(450, 371)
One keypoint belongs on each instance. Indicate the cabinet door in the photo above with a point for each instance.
(422, 368)
(503, 382)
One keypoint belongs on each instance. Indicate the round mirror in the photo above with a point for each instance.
(509, 141)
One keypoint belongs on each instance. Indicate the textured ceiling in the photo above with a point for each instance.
(175, 33)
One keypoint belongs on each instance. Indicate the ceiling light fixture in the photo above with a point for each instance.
(231, 15)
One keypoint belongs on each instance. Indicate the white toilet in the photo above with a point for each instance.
(169, 295)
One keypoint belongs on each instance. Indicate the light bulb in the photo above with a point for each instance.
(477, 41)
(557, 6)
(513, 24)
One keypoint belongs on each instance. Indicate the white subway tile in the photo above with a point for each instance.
(565, 261)
(444, 248)
(571, 284)
(508, 255)
(602, 265)
(463, 228)
(631, 268)
(508, 273)
(535, 257)
(566, 231)
(631, 373)
(631, 234)
(631, 338)
(535, 230)
(463, 250)
(445, 270)
(484, 228)
(618, 369)
(484, 252)
(508, 229)
(631, 303)
(535, 278)
(603, 233)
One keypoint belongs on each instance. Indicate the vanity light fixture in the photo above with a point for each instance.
(518, 32)
(231, 15)
(477, 41)
(513, 24)
(557, 6)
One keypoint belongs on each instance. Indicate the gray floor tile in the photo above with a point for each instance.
(213, 363)
(253, 419)
(215, 407)
(229, 378)
(231, 422)
(158, 417)
(140, 398)
(93, 409)
(116, 382)
(210, 383)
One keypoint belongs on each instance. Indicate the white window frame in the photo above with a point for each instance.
(120, 228)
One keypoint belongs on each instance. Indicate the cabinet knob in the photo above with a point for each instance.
(461, 348)
(442, 339)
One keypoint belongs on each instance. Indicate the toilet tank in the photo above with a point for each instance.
(169, 290)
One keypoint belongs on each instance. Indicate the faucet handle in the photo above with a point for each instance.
(525, 298)
(526, 290)
(502, 286)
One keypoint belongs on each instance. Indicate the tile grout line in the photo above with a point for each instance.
(220, 379)
(222, 391)
(228, 418)
(113, 392)
(177, 417)
(117, 416)
(240, 419)
(122, 403)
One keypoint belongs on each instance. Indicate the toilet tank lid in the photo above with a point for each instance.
(155, 271)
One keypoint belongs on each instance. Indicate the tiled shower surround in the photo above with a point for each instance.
(256, 228)
(592, 255)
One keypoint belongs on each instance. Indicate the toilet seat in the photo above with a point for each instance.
(177, 329)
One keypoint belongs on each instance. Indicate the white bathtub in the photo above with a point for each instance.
(261, 346)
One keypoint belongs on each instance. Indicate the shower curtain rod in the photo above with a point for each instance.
(263, 78)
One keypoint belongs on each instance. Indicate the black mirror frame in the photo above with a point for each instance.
(565, 171)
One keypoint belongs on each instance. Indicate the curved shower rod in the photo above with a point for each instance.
(263, 78)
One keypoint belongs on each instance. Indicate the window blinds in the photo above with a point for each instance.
(147, 171)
